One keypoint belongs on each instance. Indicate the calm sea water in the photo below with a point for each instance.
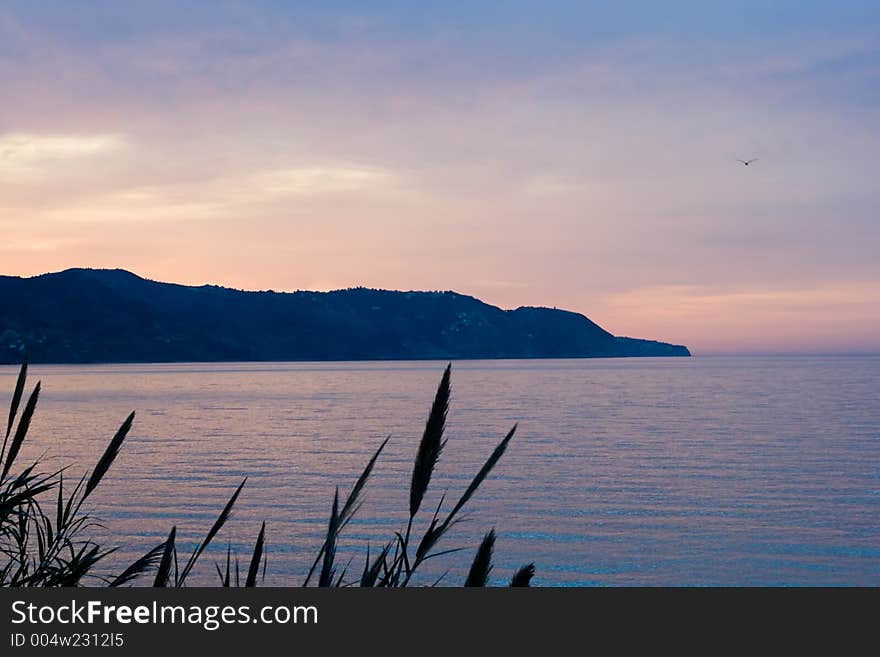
(702, 471)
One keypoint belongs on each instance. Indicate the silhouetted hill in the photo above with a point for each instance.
(91, 316)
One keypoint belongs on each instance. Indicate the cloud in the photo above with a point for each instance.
(317, 180)
(238, 195)
(553, 185)
(38, 244)
(140, 204)
(27, 157)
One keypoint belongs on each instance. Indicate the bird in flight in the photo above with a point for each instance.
(747, 162)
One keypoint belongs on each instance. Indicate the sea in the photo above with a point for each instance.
(703, 471)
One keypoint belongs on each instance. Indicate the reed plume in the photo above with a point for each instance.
(431, 445)
(523, 576)
(482, 564)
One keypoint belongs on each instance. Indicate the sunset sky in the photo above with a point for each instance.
(571, 154)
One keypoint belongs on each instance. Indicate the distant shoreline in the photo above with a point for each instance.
(80, 316)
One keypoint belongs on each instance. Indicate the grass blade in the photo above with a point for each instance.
(351, 502)
(139, 567)
(164, 571)
(439, 579)
(227, 581)
(109, 455)
(326, 577)
(218, 524)
(490, 463)
(23, 425)
(16, 400)
(254, 570)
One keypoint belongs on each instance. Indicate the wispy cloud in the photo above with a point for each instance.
(243, 195)
(551, 184)
(30, 157)
(318, 180)
(147, 205)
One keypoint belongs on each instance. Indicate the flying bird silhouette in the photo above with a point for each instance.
(747, 162)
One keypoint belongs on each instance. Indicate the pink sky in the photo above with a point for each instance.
(600, 177)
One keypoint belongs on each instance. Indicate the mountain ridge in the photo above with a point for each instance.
(82, 315)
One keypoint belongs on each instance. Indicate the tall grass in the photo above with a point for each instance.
(46, 530)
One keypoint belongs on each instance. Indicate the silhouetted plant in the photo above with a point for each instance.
(42, 548)
(523, 576)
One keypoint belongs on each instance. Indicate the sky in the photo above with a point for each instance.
(580, 155)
